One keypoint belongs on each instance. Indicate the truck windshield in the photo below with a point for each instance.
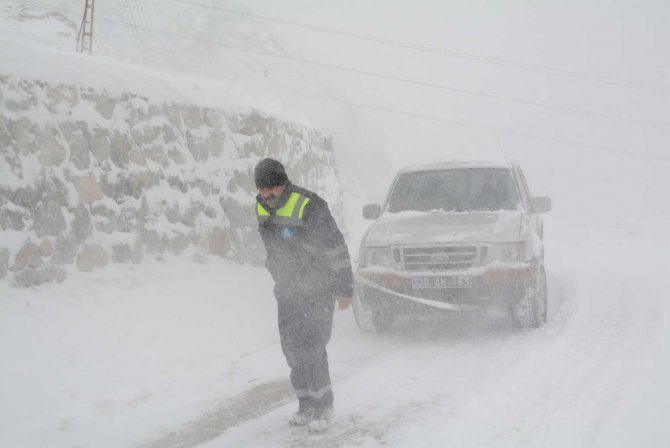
(455, 190)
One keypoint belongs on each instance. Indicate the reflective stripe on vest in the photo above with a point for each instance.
(290, 214)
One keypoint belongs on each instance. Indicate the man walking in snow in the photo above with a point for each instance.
(309, 262)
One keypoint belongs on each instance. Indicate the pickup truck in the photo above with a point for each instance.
(455, 237)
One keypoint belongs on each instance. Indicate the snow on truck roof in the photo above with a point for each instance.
(458, 164)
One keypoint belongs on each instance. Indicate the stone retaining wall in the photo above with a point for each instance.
(88, 179)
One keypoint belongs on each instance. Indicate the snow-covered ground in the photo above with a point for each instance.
(179, 354)
(182, 354)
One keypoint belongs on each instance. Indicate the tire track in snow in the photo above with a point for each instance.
(457, 337)
(253, 403)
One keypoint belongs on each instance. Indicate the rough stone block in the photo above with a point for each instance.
(26, 197)
(217, 142)
(5, 135)
(52, 150)
(116, 189)
(59, 94)
(192, 116)
(46, 248)
(81, 225)
(213, 119)
(48, 219)
(23, 131)
(138, 252)
(234, 212)
(169, 134)
(104, 219)
(252, 124)
(88, 188)
(4, 256)
(204, 186)
(171, 111)
(210, 213)
(21, 106)
(79, 151)
(219, 242)
(136, 134)
(137, 157)
(28, 257)
(37, 276)
(173, 214)
(176, 156)
(178, 243)
(120, 149)
(143, 211)
(255, 147)
(11, 220)
(121, 253)
(65, 250)
(157, 154)
(53, 190)
(125, 222)
(152, 241)
(101, 146)
(198, 149)
(90, 257)
(104, 104)
(191, 214)
(245, 180)
(4, 262)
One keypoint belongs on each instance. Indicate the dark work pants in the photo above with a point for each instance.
(305, 326)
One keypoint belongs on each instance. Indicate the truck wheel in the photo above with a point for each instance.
(383, 320)
(371, 319)
(531, 310)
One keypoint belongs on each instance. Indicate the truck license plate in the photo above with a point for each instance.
(451, 281)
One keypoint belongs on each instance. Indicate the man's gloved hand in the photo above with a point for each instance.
(343, 303)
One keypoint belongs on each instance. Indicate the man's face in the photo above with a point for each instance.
(271, 195)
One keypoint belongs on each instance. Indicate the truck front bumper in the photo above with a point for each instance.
(496, 285)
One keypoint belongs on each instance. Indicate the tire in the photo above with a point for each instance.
(371, 319)
(531, 310)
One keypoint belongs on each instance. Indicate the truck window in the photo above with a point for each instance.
(455, 190)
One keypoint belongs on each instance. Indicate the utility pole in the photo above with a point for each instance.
(85, 38)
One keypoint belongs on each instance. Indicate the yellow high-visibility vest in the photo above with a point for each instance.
(289, 214)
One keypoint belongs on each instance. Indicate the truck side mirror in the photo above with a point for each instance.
(372, 211)
(540, 204)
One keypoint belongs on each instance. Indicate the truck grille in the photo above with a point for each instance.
(439, 258)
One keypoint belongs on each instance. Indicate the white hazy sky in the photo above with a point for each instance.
(606, 39)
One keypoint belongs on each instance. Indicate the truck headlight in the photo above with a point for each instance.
(375, 256)
(508, 252)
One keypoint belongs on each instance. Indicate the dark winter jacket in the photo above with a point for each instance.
(306, 253)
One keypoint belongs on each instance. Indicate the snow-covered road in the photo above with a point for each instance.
(178, 354)
(476, 381)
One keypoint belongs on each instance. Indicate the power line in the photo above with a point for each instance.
(133, 8)
(434, 118)
(494, 130)
(140, 10)
(453, 89)
(130, 18)
(440, 51)
(400, 79)
(408, 113)
(32, 37)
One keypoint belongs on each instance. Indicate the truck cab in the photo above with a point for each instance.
(455, 237)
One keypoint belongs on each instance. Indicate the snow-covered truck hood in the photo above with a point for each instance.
(444, 227)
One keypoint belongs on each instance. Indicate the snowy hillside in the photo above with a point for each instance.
(174, 353)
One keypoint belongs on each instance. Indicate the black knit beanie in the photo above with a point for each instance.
(270, 173)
